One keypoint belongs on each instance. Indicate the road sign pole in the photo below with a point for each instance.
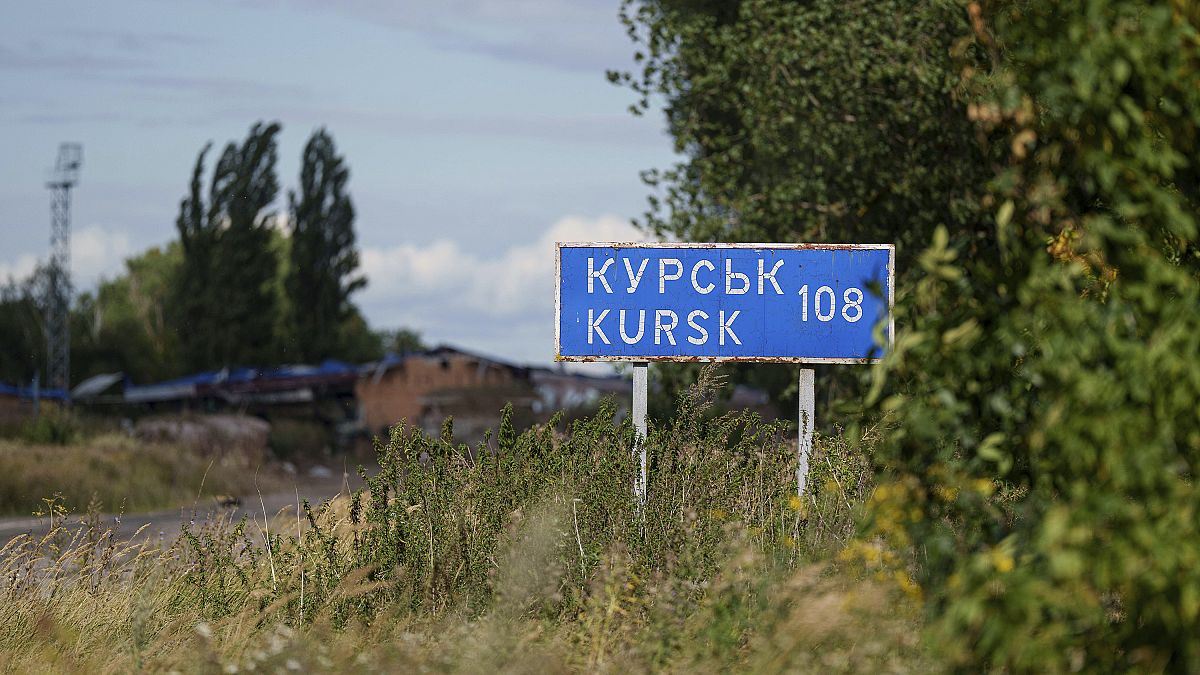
(808, 399)
(639, 425)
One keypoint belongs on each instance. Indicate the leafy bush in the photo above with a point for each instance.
(302, 440)
(1042, 460)
(54, 425)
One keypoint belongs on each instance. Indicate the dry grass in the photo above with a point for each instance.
(77, 602)
(120, 473)
(531, 559)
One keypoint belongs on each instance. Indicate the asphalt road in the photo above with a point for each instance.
(166, 525)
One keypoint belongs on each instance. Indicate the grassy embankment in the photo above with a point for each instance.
(117, 473)
(532, 559)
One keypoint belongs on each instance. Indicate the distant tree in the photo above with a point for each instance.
(227, 299)
(825, 121)
(23, 351)
(357, 343)
(126, 326)
(194, 300)
(402, 341)
(323, 261)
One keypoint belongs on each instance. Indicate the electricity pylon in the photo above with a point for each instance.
(58, 294)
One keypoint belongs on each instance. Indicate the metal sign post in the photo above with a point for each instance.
(808, 405)
(639, 425)
(766, 303)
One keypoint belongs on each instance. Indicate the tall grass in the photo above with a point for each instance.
(526, 555)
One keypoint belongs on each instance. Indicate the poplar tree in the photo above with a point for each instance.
(323, 259)
(227, 302)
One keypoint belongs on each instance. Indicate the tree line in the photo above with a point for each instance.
(242, 285)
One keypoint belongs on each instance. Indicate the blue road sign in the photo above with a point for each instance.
(805, 303)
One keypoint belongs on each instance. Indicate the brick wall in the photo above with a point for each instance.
(387, 398)
(13, 410)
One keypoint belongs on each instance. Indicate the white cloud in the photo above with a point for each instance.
(514, 281)
(500, 303)
(95, 252)
(17, 269)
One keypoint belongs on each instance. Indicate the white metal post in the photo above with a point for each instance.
(639, 424)
(808, 399)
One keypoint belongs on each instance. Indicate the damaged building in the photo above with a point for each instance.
(354, 403)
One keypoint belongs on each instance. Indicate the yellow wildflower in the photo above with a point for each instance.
(1002, 561)
(910, 587)
(795, 503)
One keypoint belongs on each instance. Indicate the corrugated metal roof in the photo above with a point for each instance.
(96, 385)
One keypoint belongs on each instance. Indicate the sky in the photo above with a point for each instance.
(478, 133)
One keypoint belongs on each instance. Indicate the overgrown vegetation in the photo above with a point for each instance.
(1038, 473)
(53, 425)
(822, 121)
(1019, 494)
(531, 556)
(1059, 359)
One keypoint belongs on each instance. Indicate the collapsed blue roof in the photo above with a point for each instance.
(27, 392)
(281, 377)
(241, 375)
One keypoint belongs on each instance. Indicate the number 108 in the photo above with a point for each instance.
(825, 304)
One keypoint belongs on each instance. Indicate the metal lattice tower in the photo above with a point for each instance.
(58, 293)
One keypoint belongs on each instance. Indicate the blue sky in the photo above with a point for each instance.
(477, 131)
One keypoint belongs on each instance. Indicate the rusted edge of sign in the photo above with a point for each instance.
(558, 247)
(891, 329)
(721, 359)
(679, 244)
